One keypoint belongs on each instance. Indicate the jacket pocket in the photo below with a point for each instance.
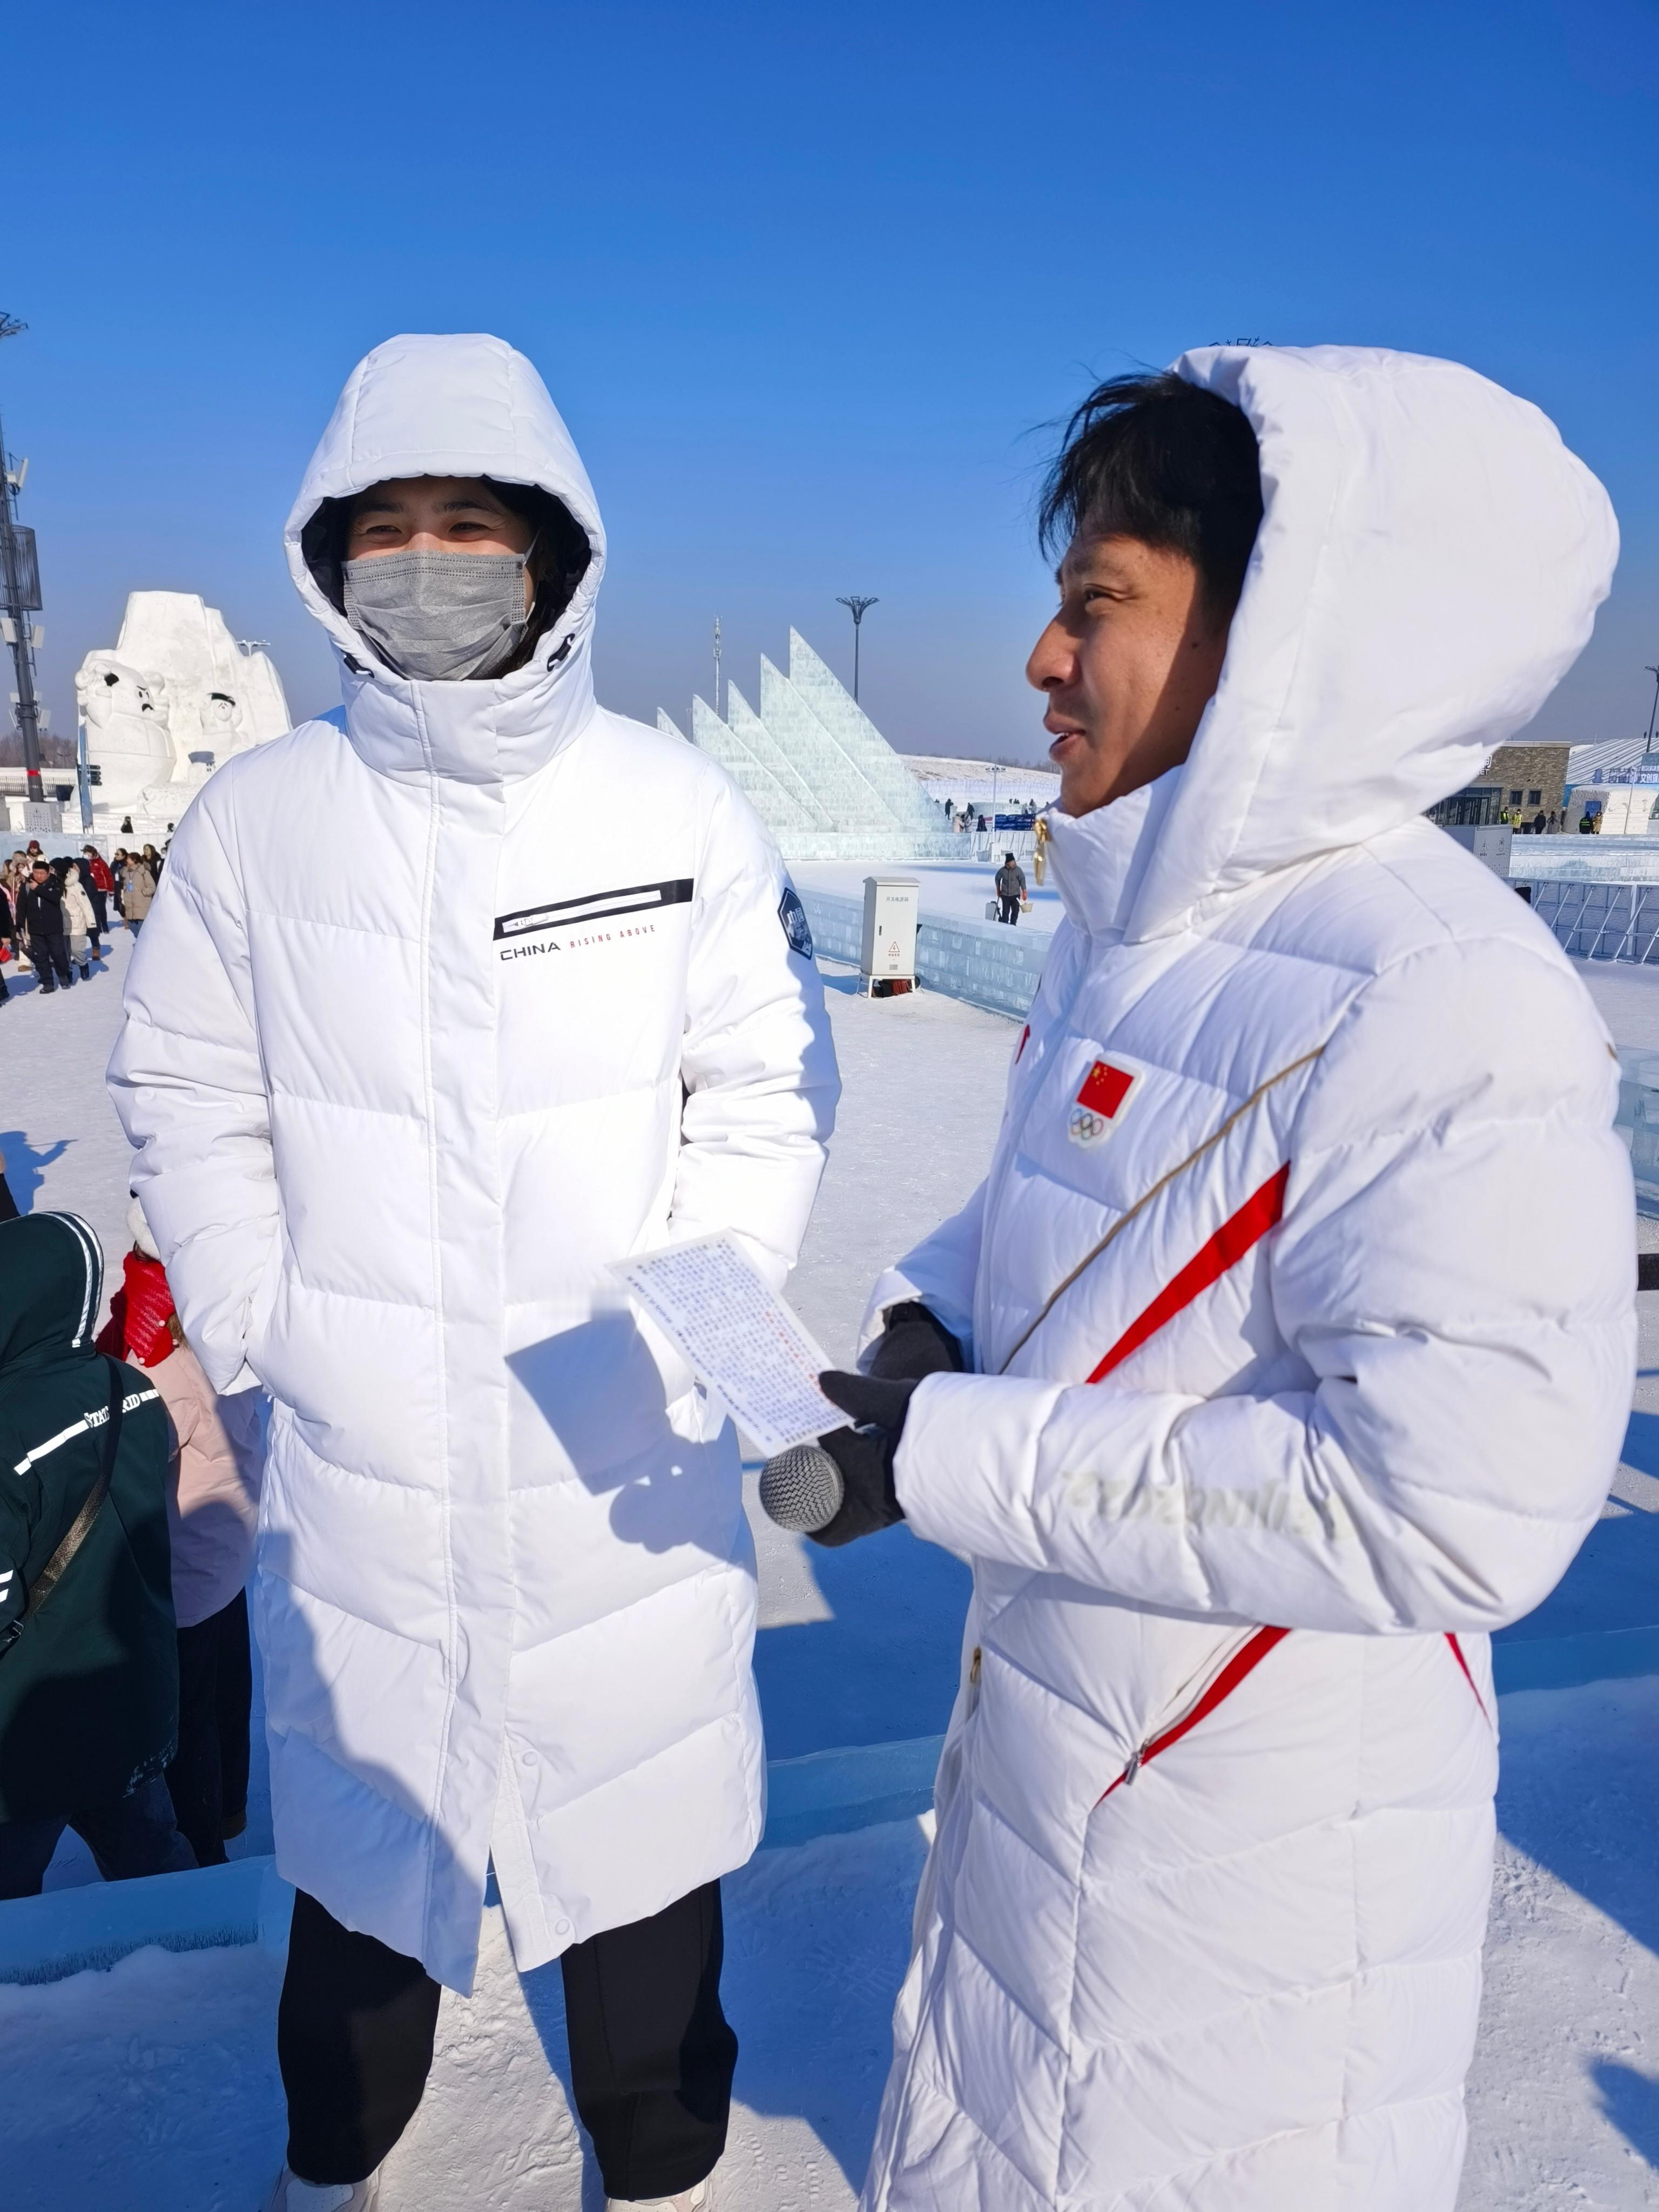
(1198, 1700)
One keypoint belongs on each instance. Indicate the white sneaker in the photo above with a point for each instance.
(694, 2199)
(292, 2195)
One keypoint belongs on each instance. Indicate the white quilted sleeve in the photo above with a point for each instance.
(188, 1085)
(1456, 1273)
(939, 1274)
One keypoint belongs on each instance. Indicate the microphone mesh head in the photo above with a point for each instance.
(802, 1489)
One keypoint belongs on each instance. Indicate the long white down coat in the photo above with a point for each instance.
(433, 1019)
(1356, 1257)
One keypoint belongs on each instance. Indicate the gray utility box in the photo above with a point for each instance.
(887, 951)
(1490, 845)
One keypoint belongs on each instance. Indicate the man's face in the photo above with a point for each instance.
(1129, 663)
(40, 872)
(435, 514)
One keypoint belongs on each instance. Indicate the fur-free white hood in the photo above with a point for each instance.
(1428, 565)
(465, 405)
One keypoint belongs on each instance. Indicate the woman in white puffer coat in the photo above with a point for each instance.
(1298, 1304)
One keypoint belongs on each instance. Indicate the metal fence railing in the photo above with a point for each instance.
(1600, 921)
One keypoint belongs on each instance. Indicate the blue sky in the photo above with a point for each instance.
(807, 282)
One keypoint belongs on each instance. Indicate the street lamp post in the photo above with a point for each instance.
(1653, 672)
(20, 598)
(858, 607)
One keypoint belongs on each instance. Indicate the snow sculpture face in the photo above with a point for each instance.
(221, 715)
(125, 712)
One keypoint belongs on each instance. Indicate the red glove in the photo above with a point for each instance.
(149, 1322)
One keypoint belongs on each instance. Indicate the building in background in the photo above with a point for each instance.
(1617, 784)
(1518, 784)
(175, 699)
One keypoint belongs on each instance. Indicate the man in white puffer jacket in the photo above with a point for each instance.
(435, 1018)
(1298, 1304)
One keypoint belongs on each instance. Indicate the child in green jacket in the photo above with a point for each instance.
(88, 1666)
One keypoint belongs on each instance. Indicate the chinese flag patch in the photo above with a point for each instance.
(1099, 1104)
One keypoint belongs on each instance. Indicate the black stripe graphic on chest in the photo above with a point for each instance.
(598, 906)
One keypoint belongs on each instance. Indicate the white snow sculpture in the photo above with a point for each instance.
(173, 701)
(125, 712)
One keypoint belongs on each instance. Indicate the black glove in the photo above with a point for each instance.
(864, 1453)
(914, 1343)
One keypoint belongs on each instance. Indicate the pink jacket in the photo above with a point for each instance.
(213, 1498)
(213, 1505)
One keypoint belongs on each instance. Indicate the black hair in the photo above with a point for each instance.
(558, 559)
(1157, 458)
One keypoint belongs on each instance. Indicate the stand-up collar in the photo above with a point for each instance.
(471, 731)
(1099, 860)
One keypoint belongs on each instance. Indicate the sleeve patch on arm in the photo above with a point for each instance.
(793, 914)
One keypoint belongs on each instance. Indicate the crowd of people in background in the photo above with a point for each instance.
(55, 912)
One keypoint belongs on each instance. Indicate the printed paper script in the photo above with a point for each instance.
(739, 1338)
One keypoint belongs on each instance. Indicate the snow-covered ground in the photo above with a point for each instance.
(977, 782)
(154, 2085)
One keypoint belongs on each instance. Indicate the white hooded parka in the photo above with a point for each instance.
(434, 1018)
(1301, 1297)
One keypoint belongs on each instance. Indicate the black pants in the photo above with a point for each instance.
(135, 1836)
(100, 914)
(208, 1777)
(1010, 910)
(50, 956)
(651, 2054)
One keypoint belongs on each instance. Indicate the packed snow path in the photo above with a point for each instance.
(155, 2085)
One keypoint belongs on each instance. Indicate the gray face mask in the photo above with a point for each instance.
(438, 616)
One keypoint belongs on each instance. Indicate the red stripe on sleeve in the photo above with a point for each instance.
(1260, 1212)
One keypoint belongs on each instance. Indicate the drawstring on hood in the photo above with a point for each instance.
(1429, 564)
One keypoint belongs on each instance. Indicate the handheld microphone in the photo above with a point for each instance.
(802, 1489)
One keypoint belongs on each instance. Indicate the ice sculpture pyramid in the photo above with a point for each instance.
(816, 768)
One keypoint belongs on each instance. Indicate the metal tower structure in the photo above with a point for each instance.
(20, 595)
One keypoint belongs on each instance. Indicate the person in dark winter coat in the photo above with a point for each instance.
(8, 937)
(40, 911)
(88, 1666)
(1011, 888)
